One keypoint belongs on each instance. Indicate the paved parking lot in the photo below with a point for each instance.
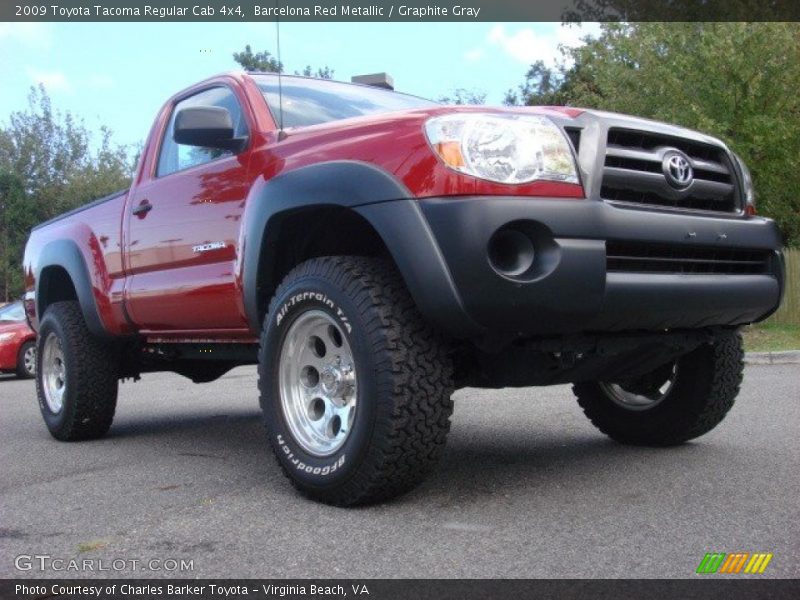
(527, 489)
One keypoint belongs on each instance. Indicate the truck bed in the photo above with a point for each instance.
(81, 208)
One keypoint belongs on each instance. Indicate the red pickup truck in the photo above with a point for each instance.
(373, 251)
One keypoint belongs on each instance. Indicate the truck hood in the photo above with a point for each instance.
(396, 143)
(562, 114)
(422, 114)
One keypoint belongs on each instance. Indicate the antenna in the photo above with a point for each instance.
(281, 132)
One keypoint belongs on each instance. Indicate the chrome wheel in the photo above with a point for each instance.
(317, 383)
(29, 360)
(636, 396)
(54, 373)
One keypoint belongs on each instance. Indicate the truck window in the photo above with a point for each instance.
(176, 157)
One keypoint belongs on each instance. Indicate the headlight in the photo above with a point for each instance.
(749, 190)
(503, 148)
(4, 337)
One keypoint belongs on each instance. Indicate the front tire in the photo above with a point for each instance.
(696, 394)
(76, 375)
(355, 387)
(26, 360)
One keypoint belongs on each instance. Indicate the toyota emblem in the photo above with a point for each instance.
(677, 169)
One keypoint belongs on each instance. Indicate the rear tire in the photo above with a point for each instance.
(705, 386)
(383, 363)
(26, 360)
(76, 375)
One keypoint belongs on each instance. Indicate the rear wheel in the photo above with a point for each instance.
(675, 403)
(355, 387)
(76, 375)
(26, 360)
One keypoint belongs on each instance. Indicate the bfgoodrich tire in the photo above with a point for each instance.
(76, 375)
(699, 390)
(355, 388)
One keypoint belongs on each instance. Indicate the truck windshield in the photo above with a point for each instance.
(309, 101)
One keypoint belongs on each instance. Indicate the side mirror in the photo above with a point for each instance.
(206, 126)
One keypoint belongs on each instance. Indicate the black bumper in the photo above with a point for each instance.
(441, 247)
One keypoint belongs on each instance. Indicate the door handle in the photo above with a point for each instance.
(142, 209)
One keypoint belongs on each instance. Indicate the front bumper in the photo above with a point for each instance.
(571, 289)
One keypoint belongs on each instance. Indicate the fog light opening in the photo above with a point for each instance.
(511, 252)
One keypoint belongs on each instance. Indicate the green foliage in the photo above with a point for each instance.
(686, 10)
(264, 62)
(47, 166)
(736, 81)
(324, 73)
(259, 61)
(543, 86)
(464, 96)
(13, 228)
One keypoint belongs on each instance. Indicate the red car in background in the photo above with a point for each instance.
(17, 342)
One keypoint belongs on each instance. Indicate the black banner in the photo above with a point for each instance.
(380, 589)
(406, 11)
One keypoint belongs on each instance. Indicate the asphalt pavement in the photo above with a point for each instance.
(527, 488)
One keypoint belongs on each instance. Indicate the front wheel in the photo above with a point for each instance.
(673, 404)
(355, 387)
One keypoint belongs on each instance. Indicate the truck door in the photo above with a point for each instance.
(183, 227)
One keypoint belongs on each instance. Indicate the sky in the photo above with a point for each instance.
(119, 74)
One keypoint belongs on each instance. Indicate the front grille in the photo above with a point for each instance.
(633, 173)
(639, 257)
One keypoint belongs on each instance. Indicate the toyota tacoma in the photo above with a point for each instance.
(372, 252)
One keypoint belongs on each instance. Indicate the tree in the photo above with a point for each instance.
(683, 10)
(542, 86)
(737, 81)
(324, 73)
(12, 225)
(260, 61)
(464, 96)
(48, 166)
(264, 62)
